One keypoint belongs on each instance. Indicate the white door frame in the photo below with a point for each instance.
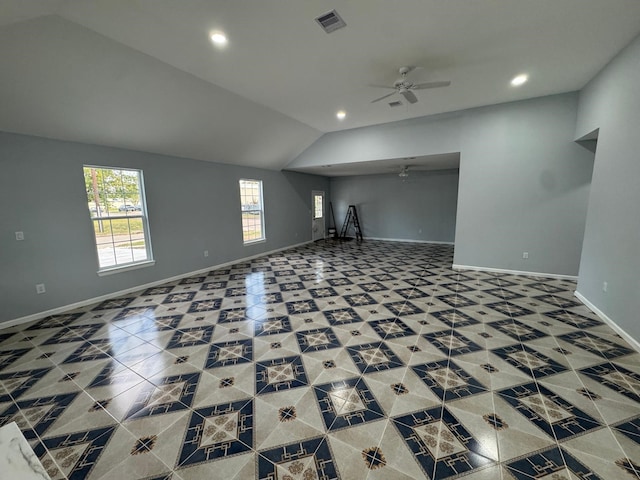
(318, 227)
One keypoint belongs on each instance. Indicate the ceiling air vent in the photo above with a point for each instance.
(395, 104)
(330, 21)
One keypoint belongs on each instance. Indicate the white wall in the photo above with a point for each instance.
(611, 103)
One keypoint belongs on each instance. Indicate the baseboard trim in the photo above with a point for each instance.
(408, 241)
(605, 318)
(108, 296)
(514, 272)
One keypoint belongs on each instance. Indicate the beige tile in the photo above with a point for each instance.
(287, 416)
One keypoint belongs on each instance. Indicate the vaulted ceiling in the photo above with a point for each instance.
(143, 74)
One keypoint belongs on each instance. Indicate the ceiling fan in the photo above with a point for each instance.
(406, 87)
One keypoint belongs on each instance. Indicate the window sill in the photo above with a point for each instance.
(254, 242)
(125, 268)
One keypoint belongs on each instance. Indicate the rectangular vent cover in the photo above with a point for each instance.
(395, 104)
(330, 21)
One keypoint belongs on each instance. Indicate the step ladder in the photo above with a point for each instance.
(333, 231)
(351, 218)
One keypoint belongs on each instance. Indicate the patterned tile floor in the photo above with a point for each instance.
(329, 361)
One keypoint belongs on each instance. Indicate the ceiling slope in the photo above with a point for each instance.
(142, 74)
(61, 80)
(279, 57)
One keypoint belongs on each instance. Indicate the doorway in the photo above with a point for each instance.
(317, 217)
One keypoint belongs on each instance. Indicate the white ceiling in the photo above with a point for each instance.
(142, 74)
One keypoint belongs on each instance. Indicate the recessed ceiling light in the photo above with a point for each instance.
(520, 80)
(218, 38)
(341, 114)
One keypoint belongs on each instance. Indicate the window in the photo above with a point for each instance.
(317, 206)
(118, 212)
(252, 211)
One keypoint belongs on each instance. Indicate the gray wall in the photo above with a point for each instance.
(524, 183)
(524, 186)
(192, 205)
(430, 135)
(611, 102)
(419, 207)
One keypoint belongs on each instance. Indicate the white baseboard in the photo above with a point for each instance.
(515, 272)
(407, 240)
(102, 298)
(605, 318)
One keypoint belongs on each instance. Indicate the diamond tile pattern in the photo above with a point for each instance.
(550, 412)
(447, 380)
(529, 360)
(552, 463)
(217, 432)
(440, 443)
(374, 357)
(330, 360)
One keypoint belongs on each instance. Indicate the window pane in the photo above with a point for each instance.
(116, 205)
(252, 211)
(317, 206)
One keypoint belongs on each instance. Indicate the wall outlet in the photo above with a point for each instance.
(19, 236)
(40, 288)
(206, 253)
(605, 286)
(525, 255)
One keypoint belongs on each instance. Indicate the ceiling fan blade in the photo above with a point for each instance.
(409, 96)
(382, 86)
(382, 98)
(422, 86)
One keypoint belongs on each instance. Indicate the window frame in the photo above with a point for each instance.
(128, 214)
(315, 205)
(260, 210)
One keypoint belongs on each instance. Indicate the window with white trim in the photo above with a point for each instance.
(118, 212)
(317, 206)
(252, 209)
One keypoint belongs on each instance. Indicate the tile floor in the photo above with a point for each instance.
(329, 361)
